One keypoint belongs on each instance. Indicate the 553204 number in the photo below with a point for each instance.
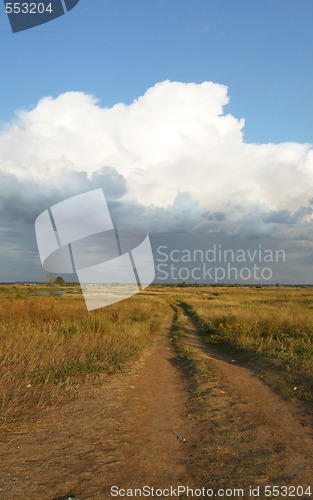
(27, 8)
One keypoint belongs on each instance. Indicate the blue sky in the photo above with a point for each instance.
(177, 156)
(115, 50)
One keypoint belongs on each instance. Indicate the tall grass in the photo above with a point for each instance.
(275, 323)
(49, 343)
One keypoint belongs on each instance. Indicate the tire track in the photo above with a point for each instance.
(122, 433)
(266, 421)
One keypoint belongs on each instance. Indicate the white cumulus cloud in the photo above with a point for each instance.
(173, 145)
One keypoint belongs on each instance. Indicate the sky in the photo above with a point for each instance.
(194, 117)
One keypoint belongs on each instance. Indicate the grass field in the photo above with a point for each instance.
(271, 329)
(268, 330)
(49, 344)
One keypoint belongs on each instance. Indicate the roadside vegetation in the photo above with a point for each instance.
(271, 329)
(50, 344)
(227, 454)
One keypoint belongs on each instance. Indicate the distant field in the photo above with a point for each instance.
(49, 343)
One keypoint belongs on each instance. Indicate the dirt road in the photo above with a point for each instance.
(275, 434)
(125, 433)
(134, 429)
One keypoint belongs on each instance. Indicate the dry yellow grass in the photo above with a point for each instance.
(274, 323)
(49, 343)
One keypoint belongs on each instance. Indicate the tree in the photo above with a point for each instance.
(59, 281)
